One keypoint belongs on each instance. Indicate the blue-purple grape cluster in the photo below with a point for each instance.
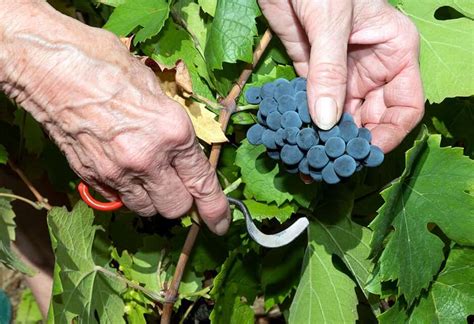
(285, 128)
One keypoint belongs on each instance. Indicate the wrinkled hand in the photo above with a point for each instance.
(359, 56)
(107, 113)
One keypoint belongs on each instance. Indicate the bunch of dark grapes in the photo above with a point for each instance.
(285, 128)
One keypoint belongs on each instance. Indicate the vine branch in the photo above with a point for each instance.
(41, 200)
(229, 107)
(37, 206)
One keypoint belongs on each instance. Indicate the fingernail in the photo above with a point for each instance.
(326, 112)
(222, 227)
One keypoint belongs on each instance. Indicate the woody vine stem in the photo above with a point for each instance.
(229, 107)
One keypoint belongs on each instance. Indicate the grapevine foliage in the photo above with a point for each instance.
(393, 243)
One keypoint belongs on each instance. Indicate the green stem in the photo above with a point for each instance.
(36, 206)
(246, 107)
(234, 185)
(186, 313)
(130, 284)
(200, 293)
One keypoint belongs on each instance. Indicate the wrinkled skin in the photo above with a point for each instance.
(359, 56)
(121, 135)
(107, 113)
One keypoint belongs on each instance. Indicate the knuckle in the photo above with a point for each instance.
(183, 134)
(133, 153)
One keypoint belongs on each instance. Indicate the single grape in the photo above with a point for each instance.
(346, 117)
(375, 157)
(268, 139)
(299, 84)
(252, 95)
(286, 103)
(301, 97)
(365, 134)
(345, 166)
(280, 137)
(335, 147)
(254, 134)
(359, 166)
(303, 166)
(316, 174)
(317, 157)
(324, 135)
(358, 148)
(291, 154)
(307, 138)
(267, 106)
(274, 120)
(268, 90)
(274, 154)
(329, 175)
(291, 119)
(290, 134)
(261, 119)
(283, 88)
(348, 130)
(303, 111)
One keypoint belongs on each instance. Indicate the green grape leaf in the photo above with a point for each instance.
(28, 311)
(231, 36)
(84, 289)
(208, 6)
(446, 60)
(3, 155)
(324, 294)
(189, 12)
(148, 265)
(264, 181)
(450, 299)
(350, 242)
(7, 234)
(437, 187)
(280, 271)
(112, 3)
(173, 44)
(237, 280)
(261, 211)
(149, 14)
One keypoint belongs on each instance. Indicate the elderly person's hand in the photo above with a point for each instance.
(360, 56)
(106, 112)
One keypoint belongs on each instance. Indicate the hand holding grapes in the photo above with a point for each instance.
(359, 56)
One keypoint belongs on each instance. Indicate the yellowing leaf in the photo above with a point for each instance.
(176, 83)
(206, 127)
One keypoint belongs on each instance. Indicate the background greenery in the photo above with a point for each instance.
(394, 244)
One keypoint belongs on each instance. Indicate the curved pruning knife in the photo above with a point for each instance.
(267, 240)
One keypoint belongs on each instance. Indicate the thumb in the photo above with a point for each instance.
(200, 180)
(327, 75)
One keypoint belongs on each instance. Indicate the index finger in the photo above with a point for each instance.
(200, 180)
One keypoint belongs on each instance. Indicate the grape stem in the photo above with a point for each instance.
(33, 204)
(42, 201)
(229, 107)
(130, 284)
